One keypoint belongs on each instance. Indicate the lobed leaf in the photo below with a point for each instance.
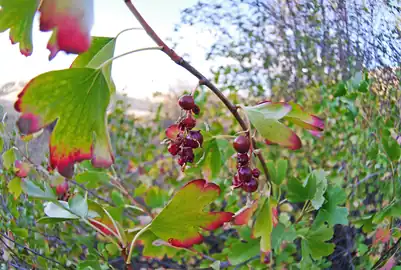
(17, 15)
(179, 222)
(78, 99)
(71, 22)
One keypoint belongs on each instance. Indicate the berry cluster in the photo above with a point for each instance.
(183, 140)
(246, 178)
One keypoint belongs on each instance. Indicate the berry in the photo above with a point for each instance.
(61, 189)
(245, 174)
(188, 142)
(241, 144)
(188, 154)
(236, 181)
(242, 159)
(174, 149)
(197, 136)
(186, 102)
(250, 186)
(256, 173)
(196, 110)
(181, 161)
(189, 122)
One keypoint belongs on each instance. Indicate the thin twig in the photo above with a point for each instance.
(32, 251)
(202, 79)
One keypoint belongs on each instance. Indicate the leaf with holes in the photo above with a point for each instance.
(17, 15)
(265, 118)
(180, 221)
(77, 98)
(71, 23)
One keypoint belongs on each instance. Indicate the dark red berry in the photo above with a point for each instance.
(245, 174)
(174, 149)
(241, 144)
(256, 173)
(197, 136)
(189, 122)
(188, 154)
(236, 181)
(181, 161)
(196, 110)
(187, 102)
(242, 159)
(251, 186)
(188, 142)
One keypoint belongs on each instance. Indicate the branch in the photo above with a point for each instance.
(387, 255)
(31, 250)
(202, 79)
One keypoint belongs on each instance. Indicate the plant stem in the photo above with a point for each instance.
(131, 248)
(202, 79)
(109, 61)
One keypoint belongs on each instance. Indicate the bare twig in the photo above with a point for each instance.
(202, 79)
(32, 251)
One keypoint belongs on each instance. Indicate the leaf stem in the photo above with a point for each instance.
(128, 29)
(202, 79)
(102, 233)
(131, 249)
(109, 61)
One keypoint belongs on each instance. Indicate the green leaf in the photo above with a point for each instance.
(51, 220)
(282, 165)
(1, 144)
(101, 50)
(241, 252)
(269, 110)
(60, 210)
(391, 147)
(34, 191)
(17, 15)
(215, 159)
(78, 99)
(92, 179)
(20, 232)
(298, 192)
(341, 90)
(117, 198)
(264, 224)
(8, 159)
(156, 197)
(366, 222)
(280, 233)
(391, 210)
(364, 86)
(79, 205)
(155, 251)
(14, 187)
(314, 243)
(271, 168)
(321, 186)
(265, 119)
(331, 212)
(179, 222)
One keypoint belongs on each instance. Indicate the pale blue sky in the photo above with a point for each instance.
(138, 75)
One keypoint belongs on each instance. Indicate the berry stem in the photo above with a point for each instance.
(202, 79)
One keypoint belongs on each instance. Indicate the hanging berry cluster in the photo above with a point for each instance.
(246, 178)
(183, 140)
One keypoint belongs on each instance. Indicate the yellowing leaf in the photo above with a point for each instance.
(77, 98)
(180, 221)
(17, 15)
(265, 221)
(14, 186)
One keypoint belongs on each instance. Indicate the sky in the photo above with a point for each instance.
(138, 75)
